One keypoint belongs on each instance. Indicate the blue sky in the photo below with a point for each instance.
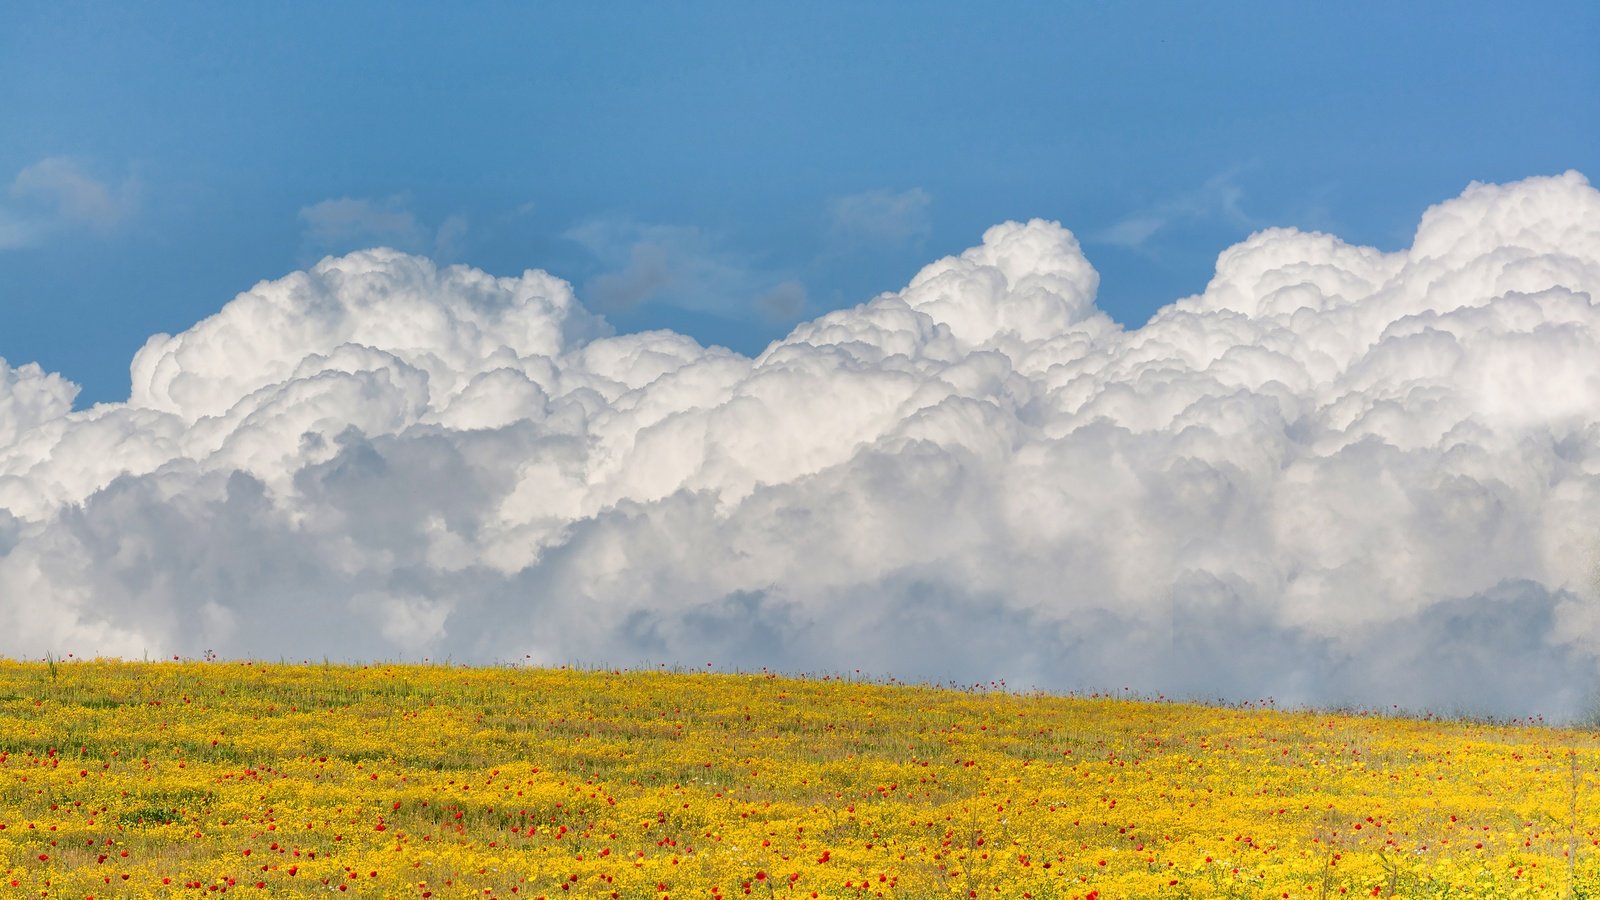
(727, 170)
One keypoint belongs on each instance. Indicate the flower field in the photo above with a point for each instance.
(201, 778)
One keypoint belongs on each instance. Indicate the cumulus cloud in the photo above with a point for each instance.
(882, 216)
(30, 396)
(1336, 475)
(57, 194)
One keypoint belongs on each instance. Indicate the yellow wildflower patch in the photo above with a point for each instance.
(196, 779)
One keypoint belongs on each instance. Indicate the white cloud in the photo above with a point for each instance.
(1335, 475)
(882, 216)
(341, 224)
(28, 397)
(55, 195)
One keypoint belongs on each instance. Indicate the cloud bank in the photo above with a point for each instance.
(1336, 475)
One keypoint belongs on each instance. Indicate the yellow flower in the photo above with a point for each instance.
(156, 780)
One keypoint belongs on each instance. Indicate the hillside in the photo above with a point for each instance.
(161, 779)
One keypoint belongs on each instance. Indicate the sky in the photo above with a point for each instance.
(1218, 353)
(728, 170)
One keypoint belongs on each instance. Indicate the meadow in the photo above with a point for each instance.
(201, 778)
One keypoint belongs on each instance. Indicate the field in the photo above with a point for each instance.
(199, 778)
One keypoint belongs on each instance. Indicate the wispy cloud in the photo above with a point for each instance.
(1219, 199)
(786, 300)
(696, 268)
(882, 216)
(14, 231)
(57, 195)
(642, 261)
(341, 224)
(685, 265)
